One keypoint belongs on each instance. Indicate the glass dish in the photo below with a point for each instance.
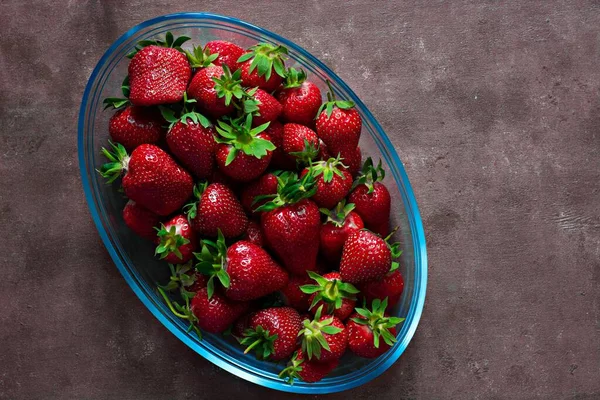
(134, 256)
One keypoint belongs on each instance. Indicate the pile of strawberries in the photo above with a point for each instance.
(251, 188)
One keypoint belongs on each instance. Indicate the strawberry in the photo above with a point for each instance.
(152, 178)
(245, 270)
(333, 182)
(158, 72)
(352, 159)
(300, 99)
(272, 333)
(327, 333)
(227, 53)
(367, 256)
(340, 223)
(371, 198)
(254, 234)
(140, 220)
(263, 106)
(306, 370)
(337, 297)
(323, 154)
(243, 152)
(214, 88)
(390, 286)
(280, 160)
(186, 279)
(300, 142)
(263, 66)
(266, 184)
(240, 326)
(216, 208)
(293, 296)
(338, 124)
(217, 313)
(367, 327)
(132, 126)
(176, 241)
(291, 224)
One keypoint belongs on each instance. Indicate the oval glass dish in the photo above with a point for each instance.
(134, 256)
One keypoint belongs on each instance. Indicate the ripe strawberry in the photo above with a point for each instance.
(245, 270)
(243, 152)
(254, 234)
(216, 208)
(300, 142)
(132, 126)
(367, 257)
(323, 154)
(176, 241)
(338, 124)
(333, 182)
(337, 298)
(327, 333)
(390, 286)
(272, 333)
(217, 313)
(366, 327)
(300, 99)
(214, 88)
(291, 224)
(263, 66)
(191, 140)
(158, 72)
(280, 160)
(266, 184)
(263, 106)
(293, 296)
(340, 223)
(140, 220)
(352, 159)
(371, 198)
(306, 370)
(186, 279)
(240, 326)
(152, 178)
(228, 53)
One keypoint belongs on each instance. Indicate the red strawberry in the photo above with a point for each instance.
(352, 159)
(341, 222)
(240, 326)
(217, 313)
(186, 279)
(243, 152)
(291, 224)
(152, 178)
(371, 198)
(214, 88)
(326, 333)
(323, 152)
(158, 72)
(390, 286)
(300, 99)
(293, 296)
(216, 207)
(266, 184)
(272, 333)
(176, 241)
(333, 182)
(140, 220)
(263, 106)
(132, 126)
(245, 270)
(300, 142)
(366, 327)
(228, 53)
(338, 124)
(336, 297)
(307, 370)
(367, 257)
(280, 160)
(263, 66)
(254, 234)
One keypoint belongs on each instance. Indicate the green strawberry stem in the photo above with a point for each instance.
(291, 372)
(229, 85)
(328, 168)
(338, 215)
(242, 137)
(331, 292)
(170, 242)
(180, 279)
(333, 102)
(200, 58)
(266, 58)
(183, 312)
(312, 335)
(290, 190)
(118, 162)
(369, 174)
(378, 322)
(169, 41)
(309, 153)
(212, 261)
(294, 78)
(260, 340)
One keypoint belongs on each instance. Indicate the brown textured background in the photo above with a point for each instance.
(494, 107)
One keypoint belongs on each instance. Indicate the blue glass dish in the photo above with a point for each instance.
(134, 256)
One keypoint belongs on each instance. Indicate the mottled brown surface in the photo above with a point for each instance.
(495, 111)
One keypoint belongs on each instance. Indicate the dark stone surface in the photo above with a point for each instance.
(495, 111)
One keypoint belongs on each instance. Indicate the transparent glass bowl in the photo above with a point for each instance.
(134, 256)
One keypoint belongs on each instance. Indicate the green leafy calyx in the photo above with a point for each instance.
(328, 169)
(118, 162)
(290, 190)
(191, 209)
(369, 174)
(169, 41)
(242, 137)
(229, 85)
(379, 324)
(266, 58)
(119, 102)
(307, 154)
(292, 371)
(187, 114)
(331, 291)
(333, 102)
(294, 78)
(259, 340)
(212, 262)
(312, 335)
(338, 215)
(169, 242)
(182, 277)
(394, 249)
(182, 311)
(200, 58)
